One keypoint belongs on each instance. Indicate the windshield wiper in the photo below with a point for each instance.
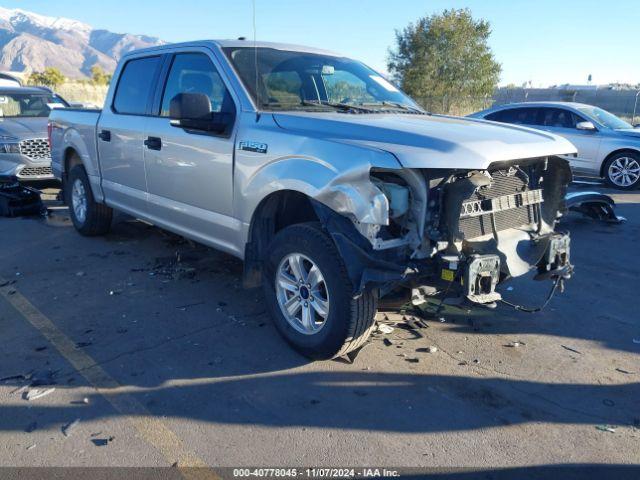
(338, 105)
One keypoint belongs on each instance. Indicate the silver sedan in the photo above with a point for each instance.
(608, 147)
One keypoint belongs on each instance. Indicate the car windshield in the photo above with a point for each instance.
(605, 118)
(290, 80)
(29, 104)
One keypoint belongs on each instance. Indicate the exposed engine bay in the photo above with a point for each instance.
(461, 233)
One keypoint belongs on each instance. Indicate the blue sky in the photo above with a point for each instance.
(545, 41)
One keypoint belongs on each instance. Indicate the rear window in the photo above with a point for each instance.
(135, 86)
(519, 116)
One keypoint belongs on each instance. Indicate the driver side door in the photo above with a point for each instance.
(190, 173)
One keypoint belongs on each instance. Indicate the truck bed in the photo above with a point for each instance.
(77, 126)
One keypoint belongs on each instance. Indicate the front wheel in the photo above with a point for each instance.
(623, 171)
(310, 296)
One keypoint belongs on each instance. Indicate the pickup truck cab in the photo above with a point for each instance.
(333, 186)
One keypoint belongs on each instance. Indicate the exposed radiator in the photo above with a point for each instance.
(506, 203)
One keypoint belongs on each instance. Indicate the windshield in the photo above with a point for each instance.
(291, 80)
(29, 104)
(605, 118)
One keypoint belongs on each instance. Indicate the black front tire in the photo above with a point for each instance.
(97, 220)
(350, 320)
(607, 170)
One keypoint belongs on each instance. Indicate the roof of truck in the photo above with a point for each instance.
(240, 44)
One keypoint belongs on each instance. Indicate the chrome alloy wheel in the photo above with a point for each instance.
(302, 293)
(79, 200)
(624, 171)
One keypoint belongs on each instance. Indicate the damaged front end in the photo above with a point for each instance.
(458, 233)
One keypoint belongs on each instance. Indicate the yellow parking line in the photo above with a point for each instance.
(152, 430)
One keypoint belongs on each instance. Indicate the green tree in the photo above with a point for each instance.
(445, 57)
(99, 76)
(50, 77)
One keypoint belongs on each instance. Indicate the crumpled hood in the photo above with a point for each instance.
(22, 128)
(425, 141)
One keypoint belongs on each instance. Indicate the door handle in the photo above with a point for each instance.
(153, 143)
(105, 135)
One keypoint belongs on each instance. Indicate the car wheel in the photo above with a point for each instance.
(309, 294)
(89, 218)
(623, 171)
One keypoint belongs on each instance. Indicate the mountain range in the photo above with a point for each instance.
(31, 42)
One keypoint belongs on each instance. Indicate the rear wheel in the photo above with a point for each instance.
(310, 297)
(89, 217)
(623, 171)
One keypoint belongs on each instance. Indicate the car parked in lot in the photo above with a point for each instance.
(608, 147)
(24, 146)
(331, 184)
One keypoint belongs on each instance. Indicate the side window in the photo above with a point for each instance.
(504, 116)
(135, 85)
(518, 116)
(194, 73)
(557, 118)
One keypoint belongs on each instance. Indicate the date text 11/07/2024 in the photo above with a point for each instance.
(312, 473)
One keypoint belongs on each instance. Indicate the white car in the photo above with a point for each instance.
(608, 147)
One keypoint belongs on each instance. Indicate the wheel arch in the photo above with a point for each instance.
(276, 211)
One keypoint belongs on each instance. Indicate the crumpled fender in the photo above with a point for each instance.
(366, 267)
(343, 184)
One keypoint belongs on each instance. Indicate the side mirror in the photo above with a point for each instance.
(192, 111)
(589, 126)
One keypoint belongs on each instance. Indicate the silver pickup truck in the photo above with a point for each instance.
(333, 186)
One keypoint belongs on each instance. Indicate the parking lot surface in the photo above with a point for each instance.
(159, 357)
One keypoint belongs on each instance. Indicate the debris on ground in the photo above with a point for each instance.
(606, 428)
(102, 442)
(626, 372)
(67, 429)
(384, 328)
(173, 268)
(515, 344)
(412, 360)
(431, 349)
(31, 447)
(36, 394)
(387, 342)
(571, 349)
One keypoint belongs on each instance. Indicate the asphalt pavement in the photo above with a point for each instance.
(159, 357)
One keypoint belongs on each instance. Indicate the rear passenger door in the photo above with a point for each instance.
(121, 130)
(190, 173)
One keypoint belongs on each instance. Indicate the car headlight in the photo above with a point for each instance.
(9, 144)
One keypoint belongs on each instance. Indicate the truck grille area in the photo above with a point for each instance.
(506, 203)
(36, 149)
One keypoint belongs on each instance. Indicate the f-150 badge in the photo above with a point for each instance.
(256, 147)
